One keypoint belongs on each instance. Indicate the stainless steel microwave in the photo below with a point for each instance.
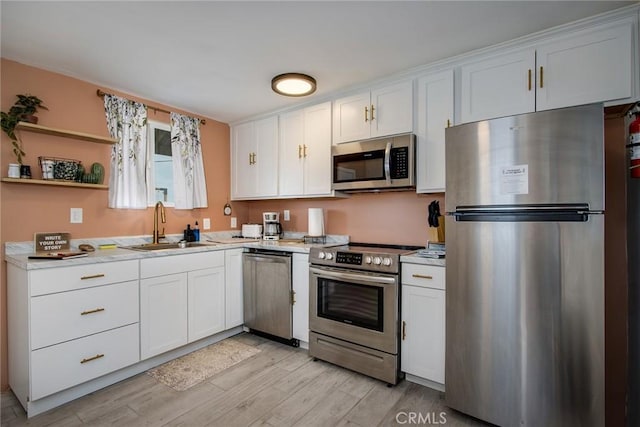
(374, 164)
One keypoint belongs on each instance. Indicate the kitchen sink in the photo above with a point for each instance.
(161, 246)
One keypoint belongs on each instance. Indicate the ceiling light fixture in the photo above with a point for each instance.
(293, 84)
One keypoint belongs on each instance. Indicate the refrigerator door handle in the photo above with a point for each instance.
(524, 215)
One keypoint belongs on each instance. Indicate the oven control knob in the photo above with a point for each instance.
(377, 260)
(321, 255)
(367, 260)
(329, 255)
(386, 262)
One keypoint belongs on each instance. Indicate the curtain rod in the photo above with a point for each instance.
(101, 94)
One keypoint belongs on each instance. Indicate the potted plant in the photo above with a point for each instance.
(23, 110)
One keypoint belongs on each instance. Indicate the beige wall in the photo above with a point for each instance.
(399, 218)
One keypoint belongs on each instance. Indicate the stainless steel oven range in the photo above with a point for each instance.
(354, 307)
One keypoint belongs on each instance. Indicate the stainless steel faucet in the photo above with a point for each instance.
(156, 233)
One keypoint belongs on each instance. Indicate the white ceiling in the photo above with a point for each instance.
(216, 59)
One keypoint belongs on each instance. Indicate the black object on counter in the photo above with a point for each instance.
(189, 235)
(434, 213)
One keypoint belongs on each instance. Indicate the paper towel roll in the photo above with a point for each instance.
(316, 222)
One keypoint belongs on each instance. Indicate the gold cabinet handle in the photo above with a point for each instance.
(404, 330)
(372, 110)
(529, 79)
(250, 157)
(304, 151)
(293, 297)
(93, 276)
(89, 359)
(299, 151)
(366, 114)
(422, 276)
(541, 77)
(448, 123)
(95, 310)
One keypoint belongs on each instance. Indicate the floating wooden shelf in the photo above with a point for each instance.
(55, 183)
(30, 127)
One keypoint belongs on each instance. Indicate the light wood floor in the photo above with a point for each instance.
(280, 386)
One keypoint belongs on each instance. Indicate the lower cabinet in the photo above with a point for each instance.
(300, 285)
(423, 322)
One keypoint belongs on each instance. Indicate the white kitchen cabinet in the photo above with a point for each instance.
(234, 315)
(380, 112)
(435, 113)
(182, 299)
(69, 325)
(581, 67)
(305, 152)
(300, 285)
(254, 159)
(423, 322)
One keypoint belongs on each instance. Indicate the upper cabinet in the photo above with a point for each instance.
(384, 111)
(434, 115)
(254, 159)
(592, 65)
(305, 152)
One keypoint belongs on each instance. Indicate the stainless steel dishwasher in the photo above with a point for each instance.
(267, 294)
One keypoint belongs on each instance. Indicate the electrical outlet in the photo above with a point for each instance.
(287, 215)
(75, 216)
(234, 222)
(206, 223)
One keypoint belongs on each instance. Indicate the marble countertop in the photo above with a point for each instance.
(415, 259)
(17, 253)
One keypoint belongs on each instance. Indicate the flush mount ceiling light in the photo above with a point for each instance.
(293, 84)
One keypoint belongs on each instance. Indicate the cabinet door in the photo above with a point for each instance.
(593, 66)
(392, 109)
(497, 87)
(317, 149)
(291, 154)
(243, 173)
(233, 288)
(206, 309)
(423, 332)
(435, 114)
(351, 118)
(266, 159)
(163, 314)
(300, 284)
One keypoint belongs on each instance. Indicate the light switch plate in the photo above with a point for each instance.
(206, 223)
(234, 222)
(75, 216)
(287, 215)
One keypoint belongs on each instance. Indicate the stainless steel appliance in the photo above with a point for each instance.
(354, 308)
(525, 268)
(376, 164)
(272, 229)
(267, 293)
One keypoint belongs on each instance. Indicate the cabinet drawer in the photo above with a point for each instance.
(160, 266)
(68, 315)
(51, 280)
(427, 276)
(64, 365)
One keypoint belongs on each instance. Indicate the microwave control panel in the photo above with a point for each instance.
(400, 163)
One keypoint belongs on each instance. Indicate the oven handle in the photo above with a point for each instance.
(356, 277)
(387, 163)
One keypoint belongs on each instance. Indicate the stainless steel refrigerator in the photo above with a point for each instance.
(525, 268)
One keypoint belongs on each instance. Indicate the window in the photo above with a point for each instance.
(160, 172)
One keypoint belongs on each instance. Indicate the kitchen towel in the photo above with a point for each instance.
(316, 222)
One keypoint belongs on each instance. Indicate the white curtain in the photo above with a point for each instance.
(190, 188)
(127, 123)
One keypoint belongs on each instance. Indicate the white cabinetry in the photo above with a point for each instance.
(182, 300)
(254, 159)
(69, 325)
(234, 315)
(435, 114)
(300, 285)
(305, 152)
(383, 111)
(423, 323)
(581, 67)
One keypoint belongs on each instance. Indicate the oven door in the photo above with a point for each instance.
(355, 306)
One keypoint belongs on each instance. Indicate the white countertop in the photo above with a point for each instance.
(17, 253)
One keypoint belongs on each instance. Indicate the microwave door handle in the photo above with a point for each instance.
(387, 163)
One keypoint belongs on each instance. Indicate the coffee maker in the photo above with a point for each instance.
(271, 228)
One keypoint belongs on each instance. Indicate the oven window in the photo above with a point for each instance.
(358, 167)
(350, 303)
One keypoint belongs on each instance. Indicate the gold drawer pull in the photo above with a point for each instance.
(89, 359)
(404, 330)
(95, 310)
(422, 276)
(94, 276)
